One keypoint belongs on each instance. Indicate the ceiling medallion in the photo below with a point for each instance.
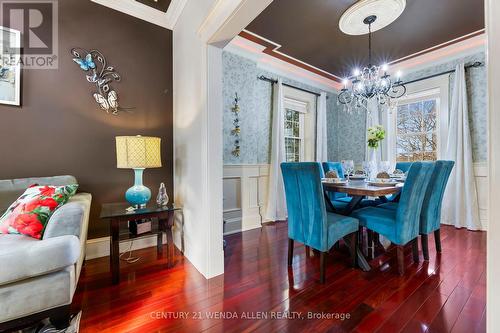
(386, 11)
(372, 82)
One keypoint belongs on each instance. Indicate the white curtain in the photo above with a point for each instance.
(321, 130)
(276, 205)
(460, 203)
(388, 145)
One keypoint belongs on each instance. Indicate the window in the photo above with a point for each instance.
(300, 125)
(421, 121)
(294, 136)
(417, 131)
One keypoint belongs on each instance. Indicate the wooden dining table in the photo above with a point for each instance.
(358, 190)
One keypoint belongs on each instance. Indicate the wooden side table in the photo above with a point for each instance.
(116, 215)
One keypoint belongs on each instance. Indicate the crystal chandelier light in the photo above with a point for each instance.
(372, 82)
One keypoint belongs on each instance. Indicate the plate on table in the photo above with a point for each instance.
(398, 175)
(383, 182)
(337, 181)
(357, 177)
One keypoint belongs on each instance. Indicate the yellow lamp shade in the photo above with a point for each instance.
(138, 152)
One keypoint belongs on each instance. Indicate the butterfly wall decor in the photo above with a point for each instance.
(99, 73)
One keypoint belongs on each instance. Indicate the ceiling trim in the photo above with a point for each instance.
(444, 54)
(271, 48)
(440, 46)
(255, 52)
(141, 11)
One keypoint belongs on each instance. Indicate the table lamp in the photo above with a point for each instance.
(138, 153)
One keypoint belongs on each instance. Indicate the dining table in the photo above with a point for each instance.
(359, 190)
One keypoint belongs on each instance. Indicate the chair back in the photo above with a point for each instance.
(307, 220)
(334, 166)
(403, 166)
(410, 204)
(430, 216)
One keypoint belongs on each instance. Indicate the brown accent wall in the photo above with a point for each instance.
(60, 130)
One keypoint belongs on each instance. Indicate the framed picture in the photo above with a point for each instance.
(10, 66)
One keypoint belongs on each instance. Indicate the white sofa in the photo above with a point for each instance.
(38, 277)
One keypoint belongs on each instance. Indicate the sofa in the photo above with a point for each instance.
(39, 277)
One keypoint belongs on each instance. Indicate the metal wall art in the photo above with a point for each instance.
(236, 122)
(99, 73)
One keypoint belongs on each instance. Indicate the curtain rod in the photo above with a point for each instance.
(473, 65)
(263, 78)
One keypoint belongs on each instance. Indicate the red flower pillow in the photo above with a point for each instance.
(30, 213)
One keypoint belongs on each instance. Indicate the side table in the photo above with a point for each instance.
(116, 214)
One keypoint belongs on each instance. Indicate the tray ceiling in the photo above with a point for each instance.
(309, 31)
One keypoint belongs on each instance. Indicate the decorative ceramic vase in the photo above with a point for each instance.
(138, 195)
(162, 198)
(373, 163)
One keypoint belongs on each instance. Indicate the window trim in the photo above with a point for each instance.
(305, 104)
(437, 87)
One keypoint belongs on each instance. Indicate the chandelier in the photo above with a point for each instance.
(372, 82)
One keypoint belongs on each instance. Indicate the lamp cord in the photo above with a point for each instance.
(129, 259)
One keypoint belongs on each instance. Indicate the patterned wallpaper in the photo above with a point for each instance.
(240, 75)
(346, 132)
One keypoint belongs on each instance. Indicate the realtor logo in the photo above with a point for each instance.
(37, 22)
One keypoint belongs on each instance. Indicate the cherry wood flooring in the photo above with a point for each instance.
(445, 294)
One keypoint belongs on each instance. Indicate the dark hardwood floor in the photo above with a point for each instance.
(446, 294)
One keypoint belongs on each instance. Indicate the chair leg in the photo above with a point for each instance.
(414, 248)
(353, 248)
(360, 236)
(369, 242)
(425, 246)
(322, 259)
(308, 251)
(401, 259)
(437, 238)
(290, 251)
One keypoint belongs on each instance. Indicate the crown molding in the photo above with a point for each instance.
(141, 11)
(453, 49)
(256, 52)
(272, 49)
(446, 52)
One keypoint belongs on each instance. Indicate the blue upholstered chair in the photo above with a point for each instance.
(334, 166)
(430, 216)
(401, 226)
(403, 166)
(308, 220)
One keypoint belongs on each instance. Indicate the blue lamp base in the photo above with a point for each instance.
(138, 195)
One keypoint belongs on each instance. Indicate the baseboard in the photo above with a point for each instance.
(99, 247)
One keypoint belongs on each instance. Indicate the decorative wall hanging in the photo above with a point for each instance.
(236, 122)
(99, 73)
(10, 67)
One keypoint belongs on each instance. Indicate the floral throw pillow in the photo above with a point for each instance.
(29, 214)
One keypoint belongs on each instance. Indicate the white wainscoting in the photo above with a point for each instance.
(481, 173)
(245, 191)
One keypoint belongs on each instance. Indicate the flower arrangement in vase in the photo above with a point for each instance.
(375, 135)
